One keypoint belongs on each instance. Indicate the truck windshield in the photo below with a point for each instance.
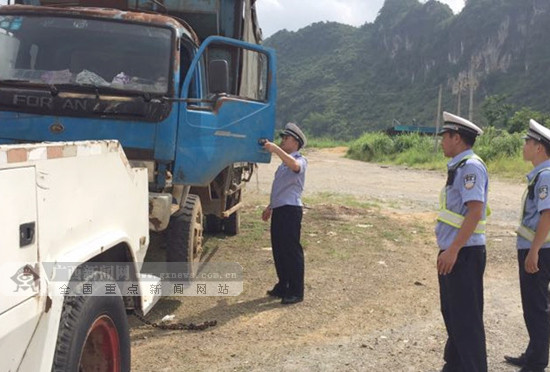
(85, 52)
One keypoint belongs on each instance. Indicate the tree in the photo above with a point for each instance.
(328, 124)
(520, 121)
(496, 111)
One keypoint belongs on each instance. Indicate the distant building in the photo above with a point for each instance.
(404, 129)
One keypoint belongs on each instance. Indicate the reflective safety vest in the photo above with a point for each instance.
(524, 231)
(451, 218)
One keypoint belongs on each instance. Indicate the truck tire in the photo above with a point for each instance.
(184, 236)
(214, 224)
(232, 224)
(93, 331)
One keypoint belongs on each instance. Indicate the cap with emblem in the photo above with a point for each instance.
(292, 130)
(538, 133)
(457, 124)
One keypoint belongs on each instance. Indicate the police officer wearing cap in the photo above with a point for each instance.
(533, 246)
(460, 233)
(285, 211)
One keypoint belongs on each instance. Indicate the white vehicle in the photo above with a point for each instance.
(69, 202)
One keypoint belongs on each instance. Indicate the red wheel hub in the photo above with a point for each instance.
(101, 351)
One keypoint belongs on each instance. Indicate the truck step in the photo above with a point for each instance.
(149, 296)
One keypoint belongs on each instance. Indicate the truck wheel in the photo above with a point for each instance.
(93, 331)
(214, 224)
(232, 224)
(184, 235)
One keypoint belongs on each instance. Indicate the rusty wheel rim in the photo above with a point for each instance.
(101, 350)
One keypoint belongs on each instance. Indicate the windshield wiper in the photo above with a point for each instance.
(54, 91)
(95, 88)
(100, 89)
(10, 81)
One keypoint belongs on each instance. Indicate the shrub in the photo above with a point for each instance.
(496, 146)
(497, 143)
(407, 141)
(381, 147)
(371, 146)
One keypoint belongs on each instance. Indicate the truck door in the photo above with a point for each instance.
(18, 248)
(224, 115)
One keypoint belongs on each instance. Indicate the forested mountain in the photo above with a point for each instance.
(340, 81)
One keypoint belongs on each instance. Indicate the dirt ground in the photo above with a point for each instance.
(371, 300)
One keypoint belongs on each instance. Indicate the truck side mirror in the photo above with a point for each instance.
(218, 76)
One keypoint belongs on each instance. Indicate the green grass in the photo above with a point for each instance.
(252, 226)
(508, 167)
(324, 142)
(500, 150)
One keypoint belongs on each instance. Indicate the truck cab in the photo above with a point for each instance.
(183, 85)
(89, 73)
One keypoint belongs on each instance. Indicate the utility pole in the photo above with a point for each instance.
(438, 120)
(471, 105)
(472, 84)
(458, 105)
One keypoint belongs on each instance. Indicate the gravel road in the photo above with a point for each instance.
(388, 317)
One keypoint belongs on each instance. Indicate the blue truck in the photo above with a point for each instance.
(185, 86)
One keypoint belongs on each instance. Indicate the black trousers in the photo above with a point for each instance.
(534, 299)
(461, 294)
(286, 225)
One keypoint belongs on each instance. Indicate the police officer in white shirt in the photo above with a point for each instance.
(460, 233)
(285, 211)
(533, 246)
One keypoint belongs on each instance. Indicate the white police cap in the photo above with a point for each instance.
(292, 130)
(457, 124)
(538, 132)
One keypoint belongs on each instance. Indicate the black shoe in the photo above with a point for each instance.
(289, 300)
(274, 293)
(516, 361)
(527, 369)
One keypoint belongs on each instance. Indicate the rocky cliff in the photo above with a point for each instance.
(341, 81)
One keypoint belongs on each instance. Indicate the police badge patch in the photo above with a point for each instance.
(469, 181)
(543, 192)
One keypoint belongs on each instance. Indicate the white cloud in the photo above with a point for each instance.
(456, 5)
(275, 15)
